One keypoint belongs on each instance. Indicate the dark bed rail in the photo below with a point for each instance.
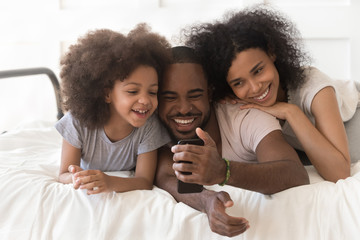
(37, 71)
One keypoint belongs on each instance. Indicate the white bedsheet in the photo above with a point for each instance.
(33, 205)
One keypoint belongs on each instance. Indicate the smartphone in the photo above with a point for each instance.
(189, 187)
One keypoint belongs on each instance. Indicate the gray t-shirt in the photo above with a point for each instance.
(98, 152)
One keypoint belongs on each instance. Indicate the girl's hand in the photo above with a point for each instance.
(95, 181)
(74, 169)
(278, 110)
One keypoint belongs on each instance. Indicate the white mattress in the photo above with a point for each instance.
(33, 205)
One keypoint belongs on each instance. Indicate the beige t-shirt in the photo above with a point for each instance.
(242, 130)
(347, 95)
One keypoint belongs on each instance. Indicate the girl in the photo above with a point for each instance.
(255, 54)
(109, 87)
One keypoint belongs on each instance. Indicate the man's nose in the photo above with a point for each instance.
(184, 106)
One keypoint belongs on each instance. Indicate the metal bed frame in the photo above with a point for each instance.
(37, 71)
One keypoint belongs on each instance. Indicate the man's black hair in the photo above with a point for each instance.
(183, 54)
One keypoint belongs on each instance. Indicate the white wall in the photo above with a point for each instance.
(36, 33)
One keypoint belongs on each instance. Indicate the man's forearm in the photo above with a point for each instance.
(268, 177)
(212, 203)
(168, 182)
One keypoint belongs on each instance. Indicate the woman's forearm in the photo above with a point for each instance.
(331, 164)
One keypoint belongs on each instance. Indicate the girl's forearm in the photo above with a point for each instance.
(65, 178)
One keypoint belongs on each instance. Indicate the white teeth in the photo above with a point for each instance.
(263, 95)
(181, 121)
(141, 111)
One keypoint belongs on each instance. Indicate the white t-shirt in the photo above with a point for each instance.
(242, 130)
(346, 93)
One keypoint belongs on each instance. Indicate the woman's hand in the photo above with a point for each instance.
(280, 110)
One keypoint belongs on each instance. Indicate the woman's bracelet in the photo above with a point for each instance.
(227, 172)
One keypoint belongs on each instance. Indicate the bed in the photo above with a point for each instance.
(34, 205)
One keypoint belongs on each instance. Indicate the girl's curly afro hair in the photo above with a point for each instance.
(100, 58)
(258, 27)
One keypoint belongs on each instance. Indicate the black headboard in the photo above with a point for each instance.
(36, 71)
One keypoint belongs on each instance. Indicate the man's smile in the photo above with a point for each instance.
(184, 121)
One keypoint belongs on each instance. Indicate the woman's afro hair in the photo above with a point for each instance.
(256, 27)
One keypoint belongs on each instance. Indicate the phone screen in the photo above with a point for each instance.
(190, 187)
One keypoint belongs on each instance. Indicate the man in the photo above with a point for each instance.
(244, 149)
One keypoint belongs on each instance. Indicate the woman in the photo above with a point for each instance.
(256, 55)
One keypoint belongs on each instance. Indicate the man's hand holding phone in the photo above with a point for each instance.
(207, 166)
(189, 187)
